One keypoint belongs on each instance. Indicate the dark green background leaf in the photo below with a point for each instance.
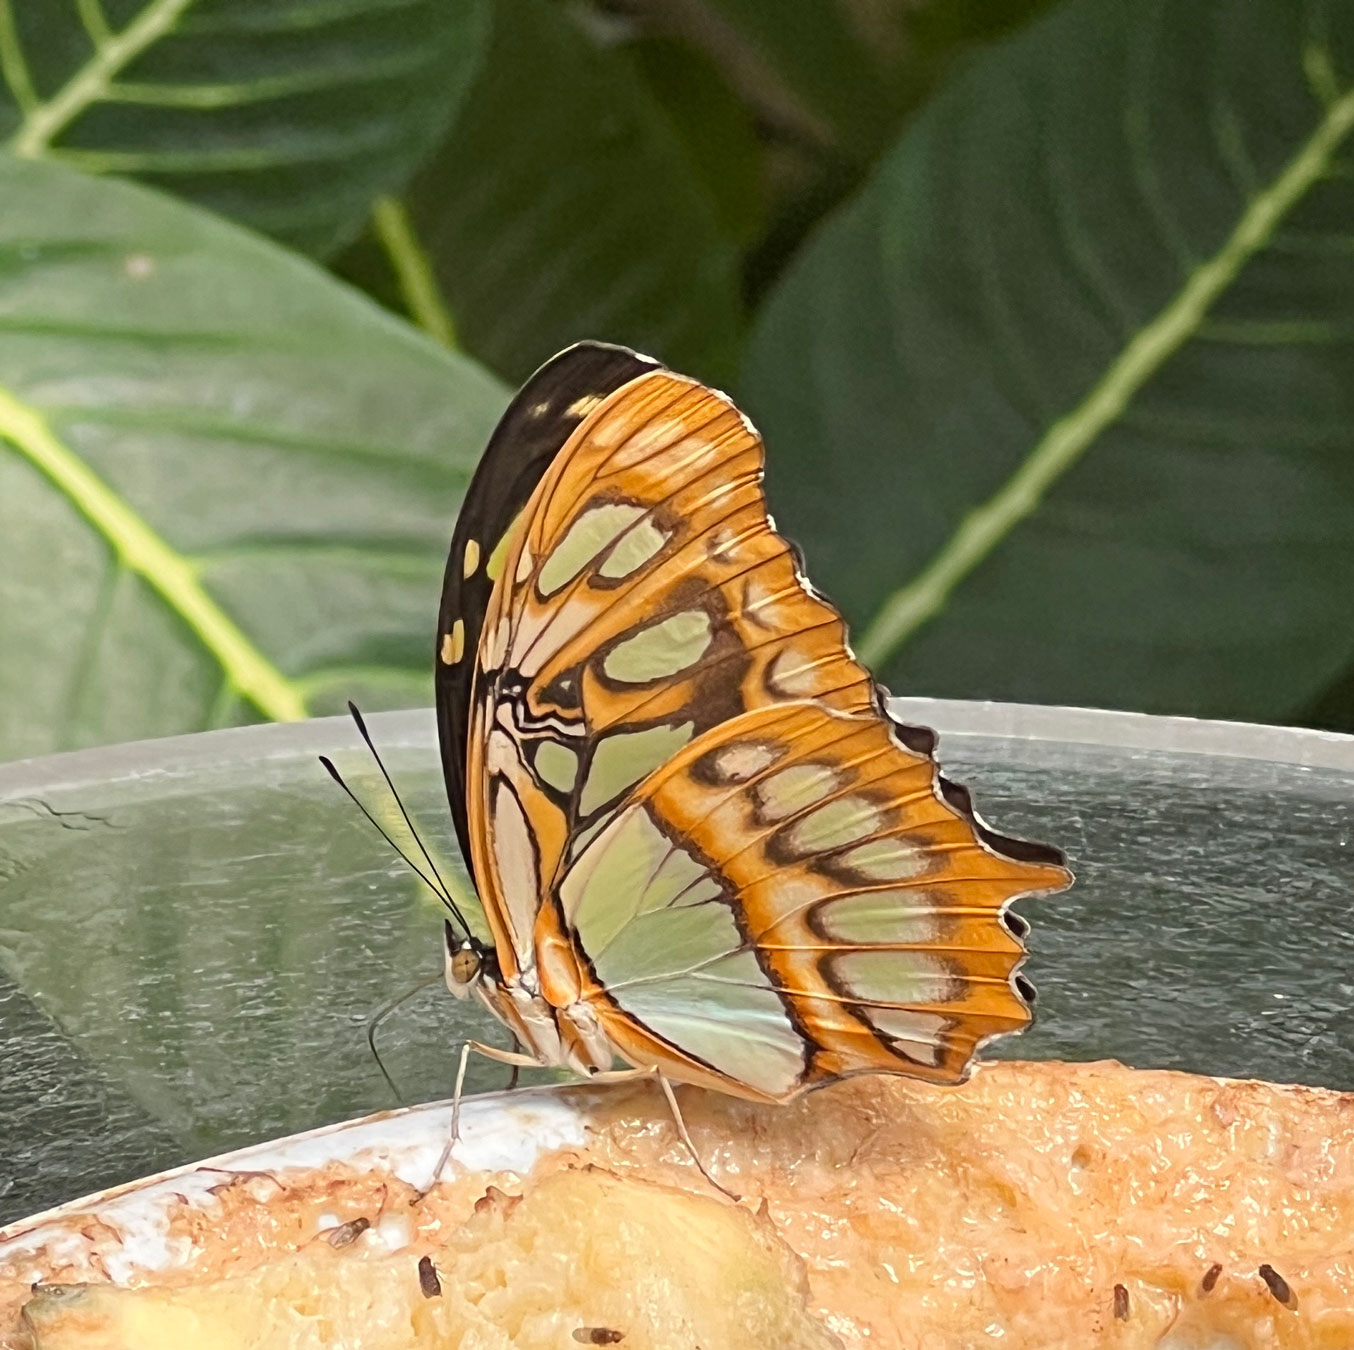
(1064, 400)
(290, 117)
(564, 206)
(226, 481)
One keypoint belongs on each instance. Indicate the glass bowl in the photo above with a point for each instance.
(196, 933)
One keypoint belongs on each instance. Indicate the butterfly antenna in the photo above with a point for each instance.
(427, 857)
(374, 1025)
(432, 885)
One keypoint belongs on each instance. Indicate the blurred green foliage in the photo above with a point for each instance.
(1046, 310)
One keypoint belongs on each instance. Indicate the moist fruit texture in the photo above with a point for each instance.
(582, 1258)
(1038, 1207)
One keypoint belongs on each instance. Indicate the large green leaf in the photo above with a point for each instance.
(821, 67)
(291, 117)
(226, 481)
(563, 206)
(1064, 401)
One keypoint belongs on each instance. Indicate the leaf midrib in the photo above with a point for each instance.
(46, 120)
(912, 606)
(142, 551)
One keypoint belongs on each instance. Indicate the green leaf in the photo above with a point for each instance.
(716, 130)
(226, 481)
(1063, 402)
(563, 206)
(292, 116)
(819, 65)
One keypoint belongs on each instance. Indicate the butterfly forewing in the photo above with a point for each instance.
(644, 599)
(542, 416)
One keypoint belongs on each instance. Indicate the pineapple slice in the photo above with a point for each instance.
(582, 1258)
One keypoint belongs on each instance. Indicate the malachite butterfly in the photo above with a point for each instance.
(703, 846)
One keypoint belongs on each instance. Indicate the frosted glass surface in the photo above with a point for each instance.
(195, 934)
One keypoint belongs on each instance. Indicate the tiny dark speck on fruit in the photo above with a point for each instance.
(1210, 1279)
(1278, 1286)
(597, 1336)
(427, 1278)
(1120, 1303)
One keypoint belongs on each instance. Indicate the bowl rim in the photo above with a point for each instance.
(504, 1131)
(953, 719)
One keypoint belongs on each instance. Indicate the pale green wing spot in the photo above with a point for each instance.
(621, 760)
(793, 789)
(736, 968)
(894, 916)
(833, 826)
(664, 943)
(742, 760)
(557, 765)
(660, 651)
(921, 1033)
(600, 893)
(877, 976)
(740, 1030)
(680, 878)
(634, 548)
(888, 859)
(585, 538)
(583, 838)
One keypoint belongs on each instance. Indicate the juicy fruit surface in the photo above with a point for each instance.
(581, 1258)
(1038, 1207)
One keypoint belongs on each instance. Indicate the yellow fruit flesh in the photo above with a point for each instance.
(582, 1258)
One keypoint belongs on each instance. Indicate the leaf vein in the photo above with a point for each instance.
(141, 551)
(43, 123)
(1063, 444)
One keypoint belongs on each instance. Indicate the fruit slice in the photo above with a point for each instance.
(582, 1258)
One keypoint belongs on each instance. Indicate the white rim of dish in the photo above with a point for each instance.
(952, 718)
(499, 1132)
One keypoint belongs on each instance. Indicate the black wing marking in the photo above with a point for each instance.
(529, 435)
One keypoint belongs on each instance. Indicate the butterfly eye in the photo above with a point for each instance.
(465, 965)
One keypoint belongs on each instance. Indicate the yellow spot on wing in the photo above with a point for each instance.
(581, 407)
(472, 558)
(453, 643)
(494, 567)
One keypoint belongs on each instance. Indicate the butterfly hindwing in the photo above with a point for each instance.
(791, 900)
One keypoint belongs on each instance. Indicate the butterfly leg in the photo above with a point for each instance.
(628, 1075)
(677, 1120)
(517, 1060)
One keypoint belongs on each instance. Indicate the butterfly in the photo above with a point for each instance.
(703, 847)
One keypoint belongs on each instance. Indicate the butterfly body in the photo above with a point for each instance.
(702, 845)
